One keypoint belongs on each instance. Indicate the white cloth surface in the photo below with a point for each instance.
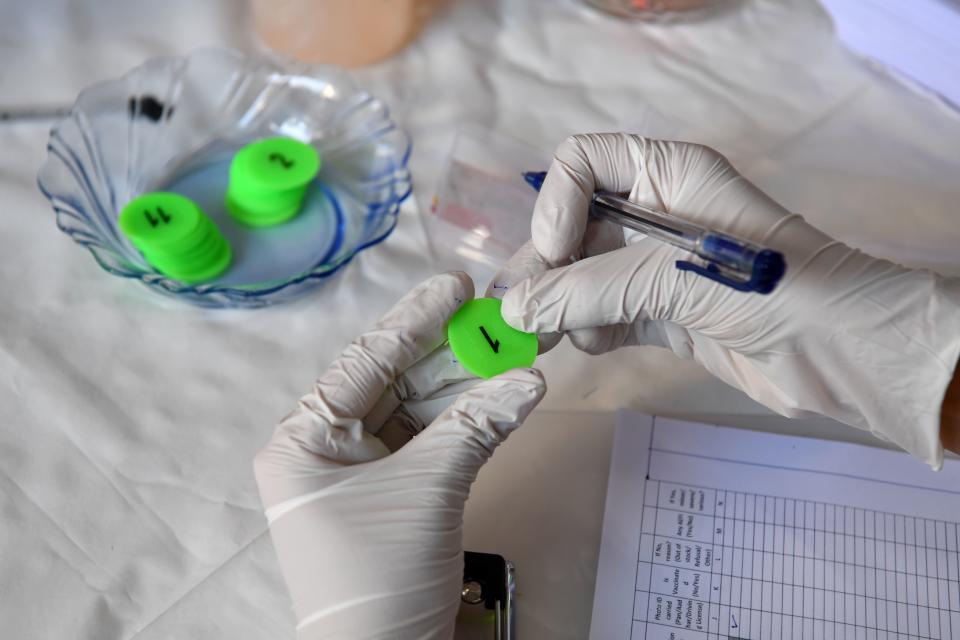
(128, 422)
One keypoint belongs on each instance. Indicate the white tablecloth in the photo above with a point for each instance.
(128, 421)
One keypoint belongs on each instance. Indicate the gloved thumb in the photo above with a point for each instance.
(464, 436)
(611, 289)
(525, 263)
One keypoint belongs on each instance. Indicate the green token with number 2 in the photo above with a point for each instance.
(269, 179)
(484, 343)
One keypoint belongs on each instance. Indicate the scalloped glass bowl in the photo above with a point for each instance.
(173, 124)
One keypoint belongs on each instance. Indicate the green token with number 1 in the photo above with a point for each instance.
(484, 343)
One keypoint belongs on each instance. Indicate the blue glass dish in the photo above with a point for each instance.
(173, 124)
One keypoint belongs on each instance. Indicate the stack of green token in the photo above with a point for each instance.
(175, 236)
(269, 179)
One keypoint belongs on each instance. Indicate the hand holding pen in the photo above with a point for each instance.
(845, 335)
(740, 264)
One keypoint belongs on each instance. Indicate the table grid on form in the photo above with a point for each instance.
(718, 564)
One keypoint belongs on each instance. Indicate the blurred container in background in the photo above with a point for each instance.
(348, 33)
(647, 9)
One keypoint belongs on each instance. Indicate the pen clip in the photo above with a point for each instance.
(713, 271)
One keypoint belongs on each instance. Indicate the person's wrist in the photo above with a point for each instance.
(950, 414)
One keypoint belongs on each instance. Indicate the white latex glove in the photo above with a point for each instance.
(370, 542)
(845, 335)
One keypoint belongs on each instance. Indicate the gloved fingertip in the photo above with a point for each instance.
(483, 417)
(547, 341)
(460, 282)
(521, 389)
(515, 307)
(506, 389)
(555, 250)
(527, 376)
(515, 390)
(459, 275)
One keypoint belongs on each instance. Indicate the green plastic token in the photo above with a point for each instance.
(275, 164)
(175, 236)
(213, 265)
(269, 179)
(260, 210)
(484, 343)
(161, 219)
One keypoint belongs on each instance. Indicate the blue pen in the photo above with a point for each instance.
(740, 264)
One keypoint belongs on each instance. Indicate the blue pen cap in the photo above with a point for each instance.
(758, 269)
(768, 267)
(535, 178)
(738, 264)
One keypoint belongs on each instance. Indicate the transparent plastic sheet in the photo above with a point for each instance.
(480, 211)
(482, 206)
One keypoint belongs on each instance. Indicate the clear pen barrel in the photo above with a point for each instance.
(737, 263)
(728, 252)
(642, 218)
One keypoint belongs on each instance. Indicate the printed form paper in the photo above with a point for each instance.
(716, 533)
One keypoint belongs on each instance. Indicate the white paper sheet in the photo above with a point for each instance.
(713, 532)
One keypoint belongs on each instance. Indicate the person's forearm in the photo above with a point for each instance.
(950, 415)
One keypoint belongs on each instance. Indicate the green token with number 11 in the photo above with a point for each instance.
(161, 219)
(175, 236)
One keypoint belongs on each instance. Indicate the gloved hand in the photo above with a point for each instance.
(845, 335)
(369, 541)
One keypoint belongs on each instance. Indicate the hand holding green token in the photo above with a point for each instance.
(484, 343)
(269, 179)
